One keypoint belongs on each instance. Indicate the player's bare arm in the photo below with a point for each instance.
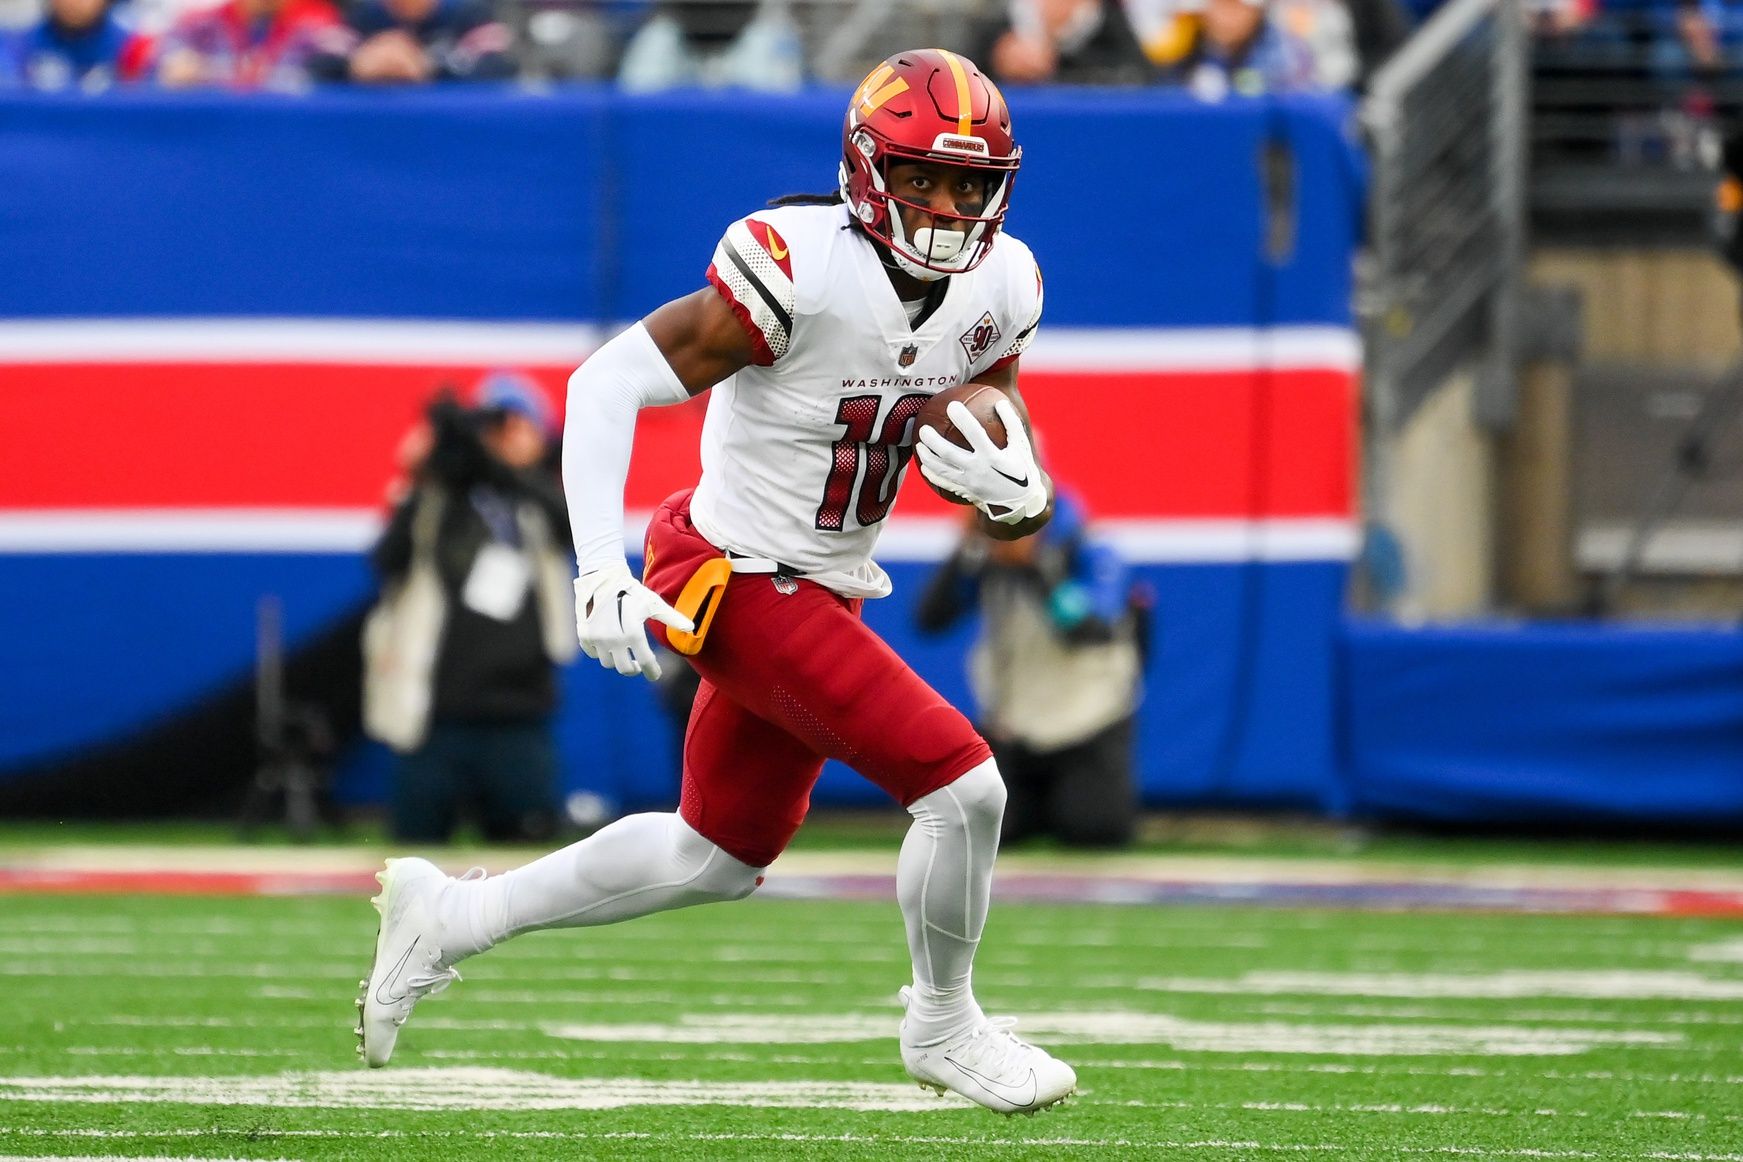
(701, 338)
(1005, 379)
(680, 350)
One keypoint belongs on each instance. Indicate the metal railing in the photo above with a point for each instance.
(1446, 120)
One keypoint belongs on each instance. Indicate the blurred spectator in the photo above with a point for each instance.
(1669, 37)
(1236, 47)
(1074, 42)
(714, 44)
(461, 652)
(251, 44)
(77, 44)
(1380, 27)
(1696, 37)
(1349, 39)
(565, 42)
(1165, 29)
(1328, 29)
(418, 41)
(1057, 672)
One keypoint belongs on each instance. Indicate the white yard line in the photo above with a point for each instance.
(1507, 984)
(483, 1088)
(1207, 1145)
(1127, 1027)
(1088, 1066)
(111, 1157)
(1606, 1076)
(1072, 1028)
(1234, 869)
(1454, 1012)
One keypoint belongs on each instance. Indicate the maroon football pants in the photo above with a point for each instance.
(789, 679)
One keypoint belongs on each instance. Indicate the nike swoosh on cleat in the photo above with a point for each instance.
(1016, 1096)
(1019, 481)
(393, 976)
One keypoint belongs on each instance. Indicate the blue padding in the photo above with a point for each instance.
(1314, 281)
(439, 204)
(1206, 733)
(585, 205)
(1237, 709)
(1546, 724)
(685, 166)
(97, 647)
(1284, 735)
(1142, 206)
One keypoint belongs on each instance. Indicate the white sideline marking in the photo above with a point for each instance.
(205, 969)
(1433, 1109)
(1723, 951)
(1143, 1028)
(618, 1053)
(615, 1054)
(486, 995)
(1084, 1029)
(467, 1088)
(1593, 985)
(1548, 1015)
(1216, 1144)
(111, 1157)
(1180, 1065)
(177, 1051)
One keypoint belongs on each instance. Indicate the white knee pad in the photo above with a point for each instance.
(717, 875)
(980, 794)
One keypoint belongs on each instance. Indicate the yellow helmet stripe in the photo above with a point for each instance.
(964, 104)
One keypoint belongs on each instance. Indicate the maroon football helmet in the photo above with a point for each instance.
(928, 105)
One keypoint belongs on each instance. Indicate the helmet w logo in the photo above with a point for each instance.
(873, 92)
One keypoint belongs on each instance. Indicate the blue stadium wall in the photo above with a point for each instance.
(218, 314)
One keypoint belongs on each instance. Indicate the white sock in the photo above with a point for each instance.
(636, 865)
(944, 882)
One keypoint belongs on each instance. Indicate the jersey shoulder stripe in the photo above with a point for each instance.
(753, 271)
(1026, 311)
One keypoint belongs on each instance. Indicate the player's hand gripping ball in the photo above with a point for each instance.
(979, 399)
(973, 449)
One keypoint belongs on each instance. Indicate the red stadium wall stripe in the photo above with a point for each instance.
(185, 436)
(282, 436)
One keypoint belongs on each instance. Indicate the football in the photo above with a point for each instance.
(979, 399)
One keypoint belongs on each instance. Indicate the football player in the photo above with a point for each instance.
(826, 324)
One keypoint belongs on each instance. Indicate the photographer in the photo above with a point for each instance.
(1057, 672)
(460, 655)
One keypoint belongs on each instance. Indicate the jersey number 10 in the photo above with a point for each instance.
(884, 457)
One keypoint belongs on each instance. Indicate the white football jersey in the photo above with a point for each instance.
(802, 452)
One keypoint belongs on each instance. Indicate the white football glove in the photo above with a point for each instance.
(1004, 483)
(611, 612)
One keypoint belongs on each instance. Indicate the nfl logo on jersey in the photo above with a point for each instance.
(906, 358)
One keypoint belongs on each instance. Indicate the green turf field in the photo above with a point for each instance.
(221, 1028)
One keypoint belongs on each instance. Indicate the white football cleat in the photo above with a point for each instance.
(991, 1066)
(408, 963)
